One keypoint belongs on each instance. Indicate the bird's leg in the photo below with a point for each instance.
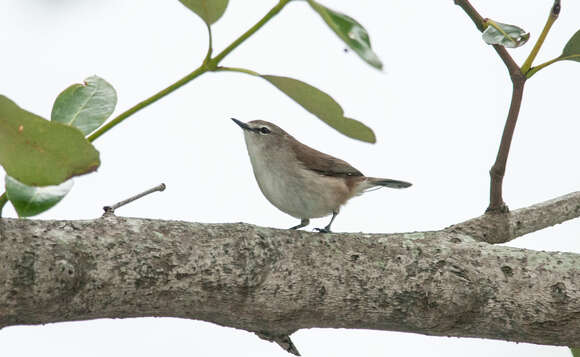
(303, 223)
(327, 228)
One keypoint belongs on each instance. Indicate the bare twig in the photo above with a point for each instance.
(109, 210)
(496, 203)
(283, 341)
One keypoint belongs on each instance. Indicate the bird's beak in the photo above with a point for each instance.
(242, 124)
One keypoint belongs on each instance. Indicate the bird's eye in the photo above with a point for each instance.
(265, 130)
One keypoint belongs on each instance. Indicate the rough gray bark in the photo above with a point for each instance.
(500, 228)
(275, 282)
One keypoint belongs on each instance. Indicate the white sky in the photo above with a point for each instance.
(437, 109)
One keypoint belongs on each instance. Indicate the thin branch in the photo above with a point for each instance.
(111, 209)
(497, 172)
(273, 12)
(208, 65)
(162, 93)
(496, 203)
(472, 13)
(535, 69)
(512, 66)
(552, 17)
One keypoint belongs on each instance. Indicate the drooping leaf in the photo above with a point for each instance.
(323, 106)
(508, 35)
(572, 49)
(209, 10)
(31, 200)
(38, 152)
(350, 31)
(85, 106)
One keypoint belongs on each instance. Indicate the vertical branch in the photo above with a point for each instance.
(496, 203)
(518, 79)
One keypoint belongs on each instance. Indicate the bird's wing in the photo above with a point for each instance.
(322, 163)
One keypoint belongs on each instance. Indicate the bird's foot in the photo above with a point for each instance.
(303, 223)
(323, 230)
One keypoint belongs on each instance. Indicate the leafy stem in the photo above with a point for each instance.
(209, 64)
(275, 10)
(496, 203)
(199, 71)
(554, 12)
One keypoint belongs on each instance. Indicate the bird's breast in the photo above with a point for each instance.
(295, 190)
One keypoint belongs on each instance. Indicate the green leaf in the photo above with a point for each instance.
(323, 106)
(38, 152)
(350, 31)
(575, 351)
(85, 106)
(505, 35)
(209, 10)
(30, 200)
(572, 49)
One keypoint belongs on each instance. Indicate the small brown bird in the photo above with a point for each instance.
(300, 181)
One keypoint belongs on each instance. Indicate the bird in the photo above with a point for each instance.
(301, 181)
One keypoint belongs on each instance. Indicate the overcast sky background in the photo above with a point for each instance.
(437, 109)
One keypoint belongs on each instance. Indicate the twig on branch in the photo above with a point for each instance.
(283, 341)
(496, 203)
(497, 171)
(110, 210)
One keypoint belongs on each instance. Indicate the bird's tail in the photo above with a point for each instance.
(375, 181)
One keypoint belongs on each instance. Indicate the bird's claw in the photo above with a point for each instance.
(323, 230)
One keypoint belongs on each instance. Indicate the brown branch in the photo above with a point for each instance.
(274, 282)
(497, 172)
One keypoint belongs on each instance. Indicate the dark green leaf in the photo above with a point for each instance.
(575, 352)
(510, 36)
(323, 106)
(350, 31)
(30, 200)
(38, 152)
(85, 106)
(209, 10)
(572, 49)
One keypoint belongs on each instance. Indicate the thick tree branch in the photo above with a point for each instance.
(274, 282)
